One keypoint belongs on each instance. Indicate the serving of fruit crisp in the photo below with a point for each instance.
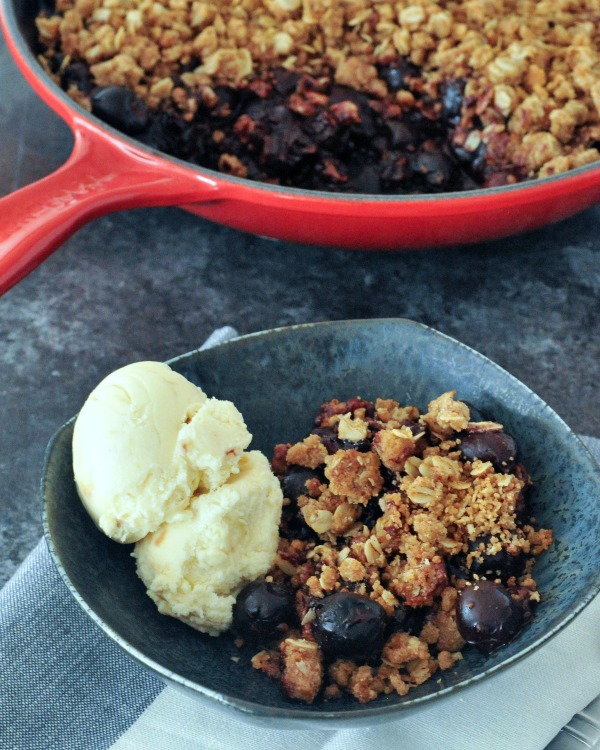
(405, 537)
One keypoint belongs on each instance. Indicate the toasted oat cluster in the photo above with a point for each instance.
(404, 538)
(365, 95)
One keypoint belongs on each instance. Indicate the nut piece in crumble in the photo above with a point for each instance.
(405, 539)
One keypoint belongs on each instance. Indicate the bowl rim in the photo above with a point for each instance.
(294, 715)
(69, 110)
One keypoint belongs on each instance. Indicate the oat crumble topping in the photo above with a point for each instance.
(434, 95)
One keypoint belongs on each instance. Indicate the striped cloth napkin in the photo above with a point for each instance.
(65, 686)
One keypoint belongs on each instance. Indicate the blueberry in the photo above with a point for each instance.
(349, 626)
(474, 414)
(487, 616)
(261, 608)
(120, 108)
(497, 447)
(501, 564)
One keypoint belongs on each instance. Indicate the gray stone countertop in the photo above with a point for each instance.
(153, 283)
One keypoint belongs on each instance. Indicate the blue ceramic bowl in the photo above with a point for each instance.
(277, 379)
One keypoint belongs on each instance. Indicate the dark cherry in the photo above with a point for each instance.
(390, 479)
(457, 567)
(370, 513)
(414, 427)
(501, 565)
(260, 608)
(414, 619)
(368, 180)
(165, 133)
(293, 526)
(349, 626)
(285, 81)
(47, 6)
(120, 108)
(487, 616)
(497, 447)
(333, 443)
(400, 134)
(407, 620)
(426, 127)
(293, 482)
(474, 414)
(521, 507)
(78, 73)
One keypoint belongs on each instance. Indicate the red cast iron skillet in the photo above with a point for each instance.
(108, 171)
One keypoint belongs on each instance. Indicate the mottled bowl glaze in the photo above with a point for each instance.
(277, 379)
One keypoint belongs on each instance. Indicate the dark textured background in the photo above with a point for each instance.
(153, 283)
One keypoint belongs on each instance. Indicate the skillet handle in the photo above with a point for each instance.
(102, 174)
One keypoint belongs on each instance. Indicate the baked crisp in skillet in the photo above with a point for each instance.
(364, 96)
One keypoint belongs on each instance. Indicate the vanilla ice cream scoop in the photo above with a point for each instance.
(145, 441)
(194, 567)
